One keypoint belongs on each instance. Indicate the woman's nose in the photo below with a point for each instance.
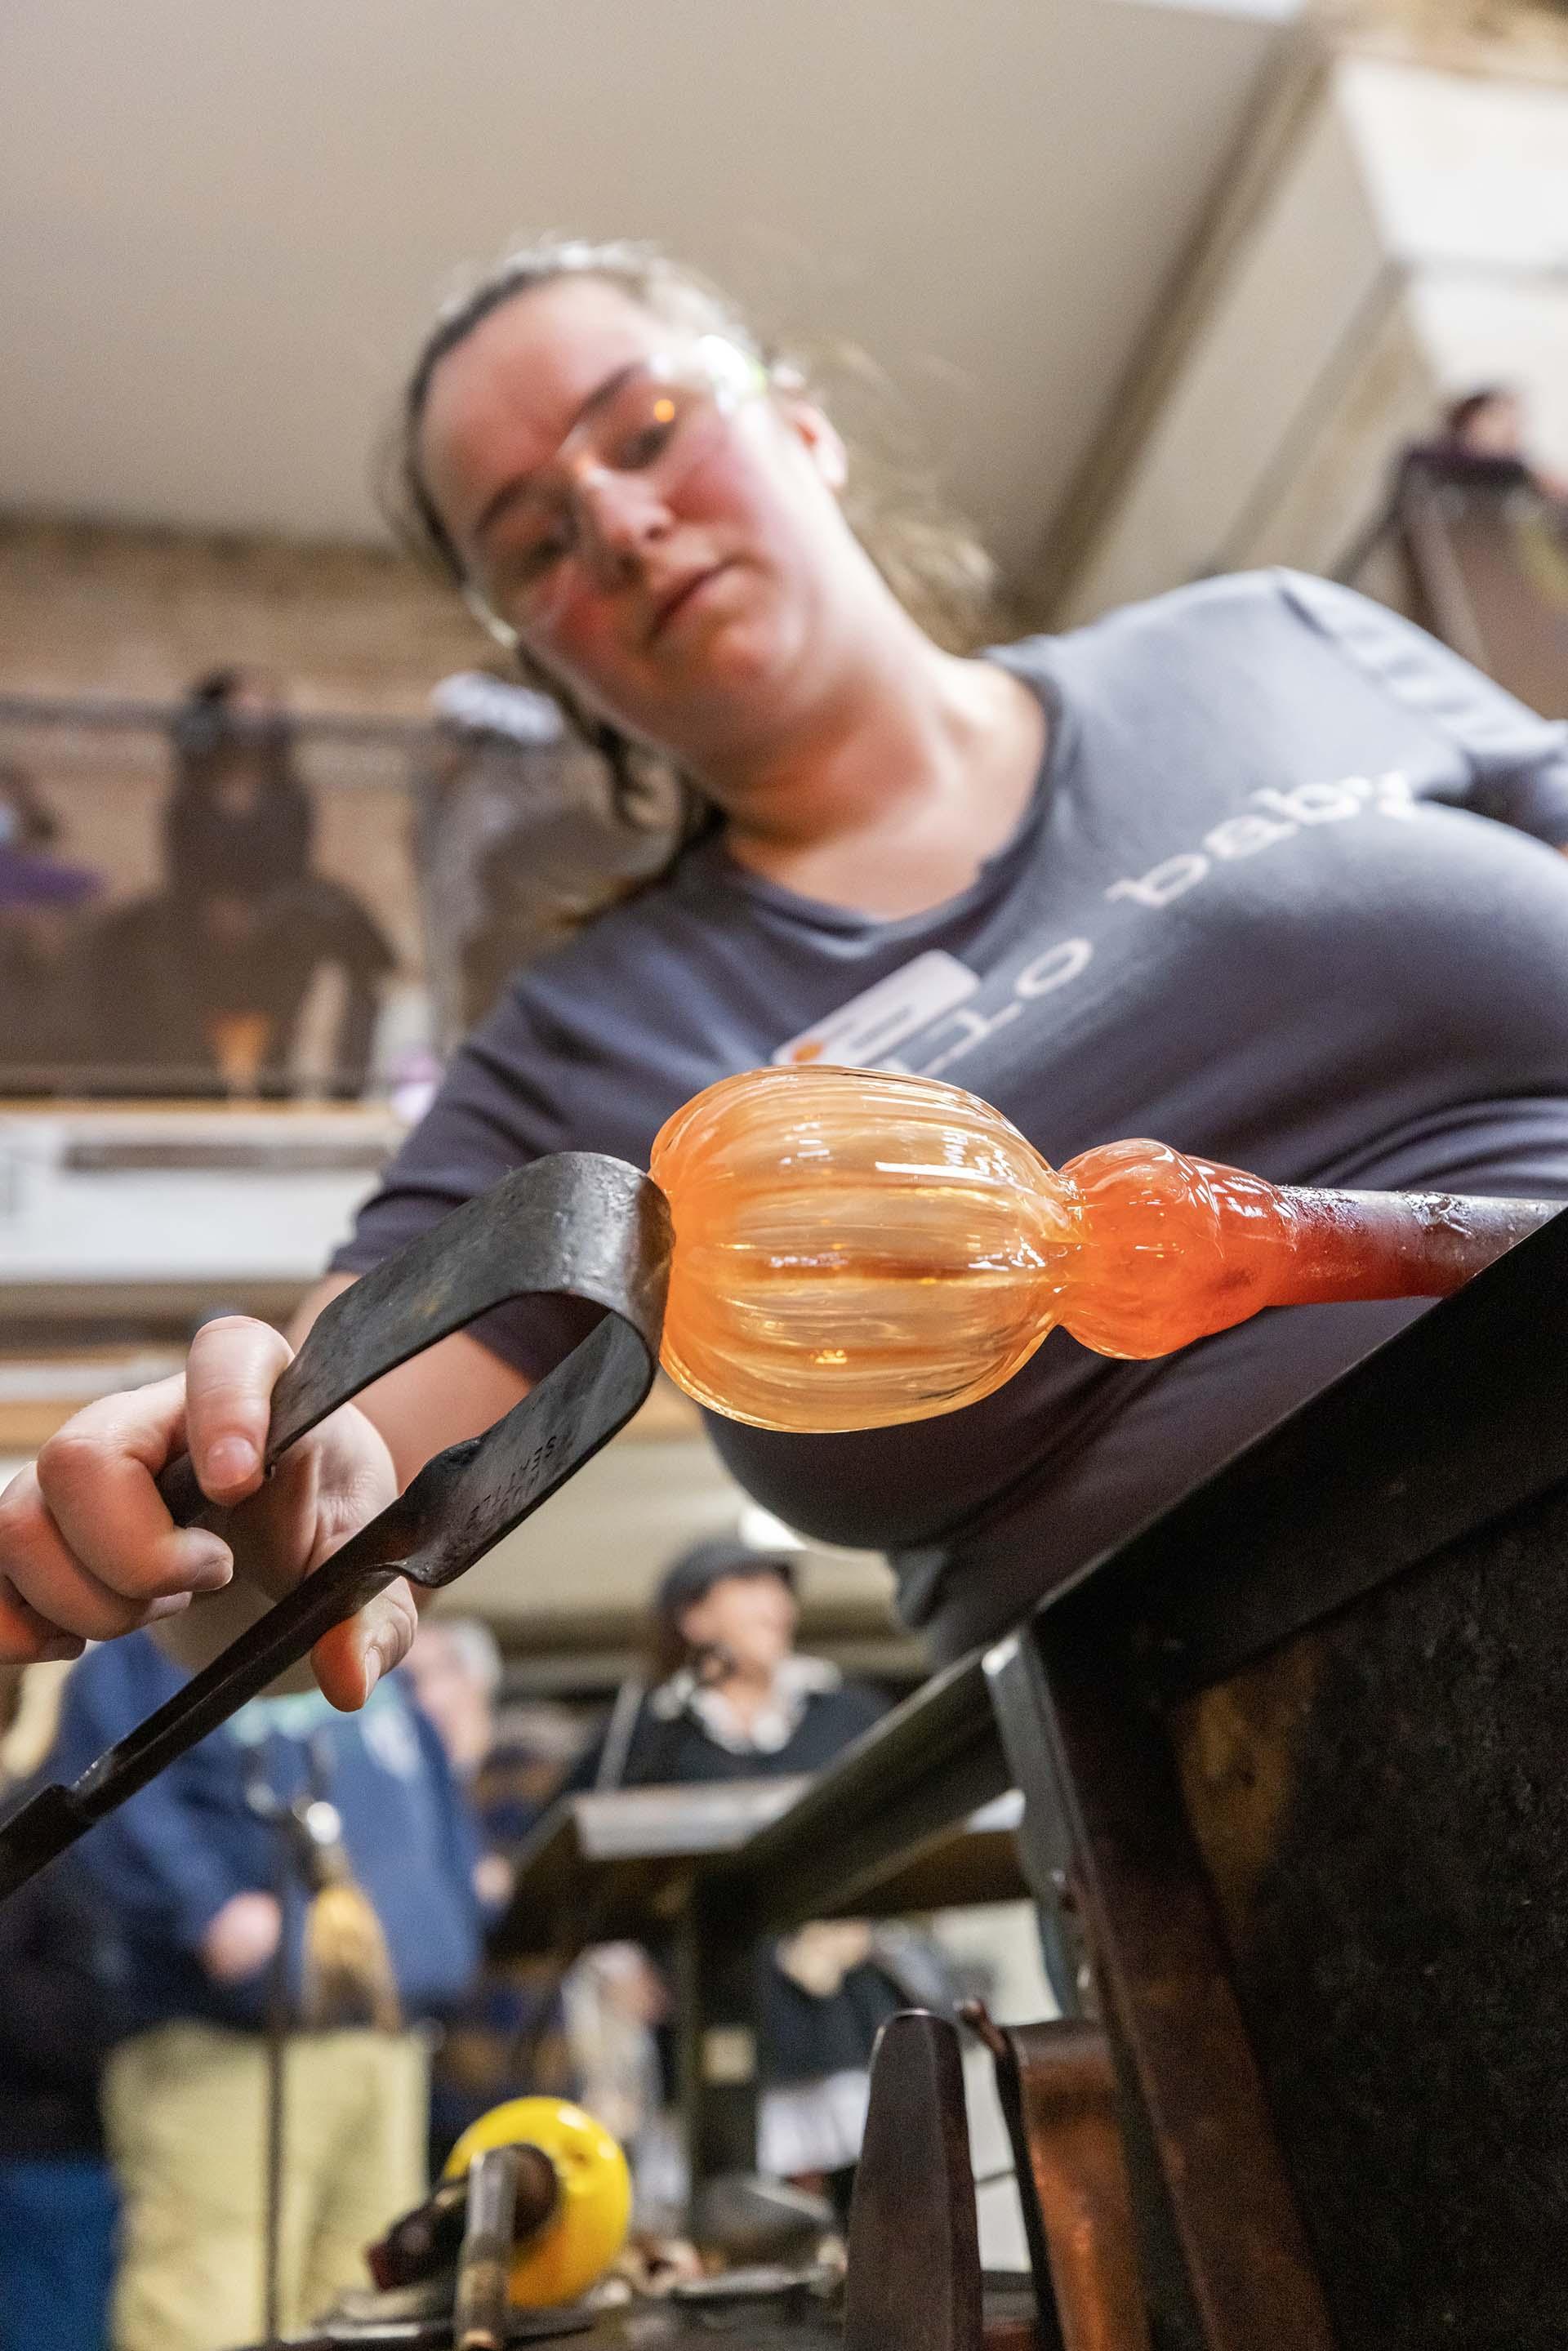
(621, 514)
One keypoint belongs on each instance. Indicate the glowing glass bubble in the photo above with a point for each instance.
(854, 1247)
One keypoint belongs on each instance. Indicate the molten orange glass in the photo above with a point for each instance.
(854, 1247)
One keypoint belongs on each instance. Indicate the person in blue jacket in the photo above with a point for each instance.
(206, 1931)
(57, 2204)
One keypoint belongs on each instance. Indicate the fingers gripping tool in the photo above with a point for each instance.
(575, 1226)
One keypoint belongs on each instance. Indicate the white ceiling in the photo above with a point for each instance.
(222, 223)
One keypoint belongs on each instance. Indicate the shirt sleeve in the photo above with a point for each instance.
(501, 1106)
(1518, 761)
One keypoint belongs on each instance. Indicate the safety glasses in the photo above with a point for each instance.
(658, 423)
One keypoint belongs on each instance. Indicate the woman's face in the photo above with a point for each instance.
(699, 616)
(452, 1696)
(751, 1617)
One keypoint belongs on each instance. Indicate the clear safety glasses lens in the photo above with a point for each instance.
(656, 426)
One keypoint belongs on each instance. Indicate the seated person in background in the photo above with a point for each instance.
(43, 904)
(239, 823)
(732, 1700)
(57, 2204)
(238, 836)
(507, 2037)
(205, 998)
(186, 1877)
(200, 986)
(1480, 446)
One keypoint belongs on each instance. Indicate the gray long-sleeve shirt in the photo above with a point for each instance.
(1286, 894)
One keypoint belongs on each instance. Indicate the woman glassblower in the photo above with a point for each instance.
(1256, 868)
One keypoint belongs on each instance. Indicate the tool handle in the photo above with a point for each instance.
(429, 2238)
(422, 2242)
(485, 2263)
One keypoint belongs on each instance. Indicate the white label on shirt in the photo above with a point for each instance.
(862, 1033)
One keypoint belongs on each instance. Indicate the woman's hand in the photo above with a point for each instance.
(88, 1552)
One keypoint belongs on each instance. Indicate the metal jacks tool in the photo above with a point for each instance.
(575, 1226)
(913, 2279)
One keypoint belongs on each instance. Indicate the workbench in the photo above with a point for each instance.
(624, 1863)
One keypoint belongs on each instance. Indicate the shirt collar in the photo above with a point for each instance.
(798, 1681)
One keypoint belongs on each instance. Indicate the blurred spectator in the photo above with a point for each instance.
(1481, 445)
(239, 823)
(201, 987)
(732, 1700)
(536, 1745)
(515, 839)
(43, 972)
(492, 766)
(57, 2203)
(729, 1682)
(207, 999)
(532, 886)
(205, 1926)
(507, 2038)
(1485, 434)
(455, 1667)
(26, 821)
(616, 2002)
